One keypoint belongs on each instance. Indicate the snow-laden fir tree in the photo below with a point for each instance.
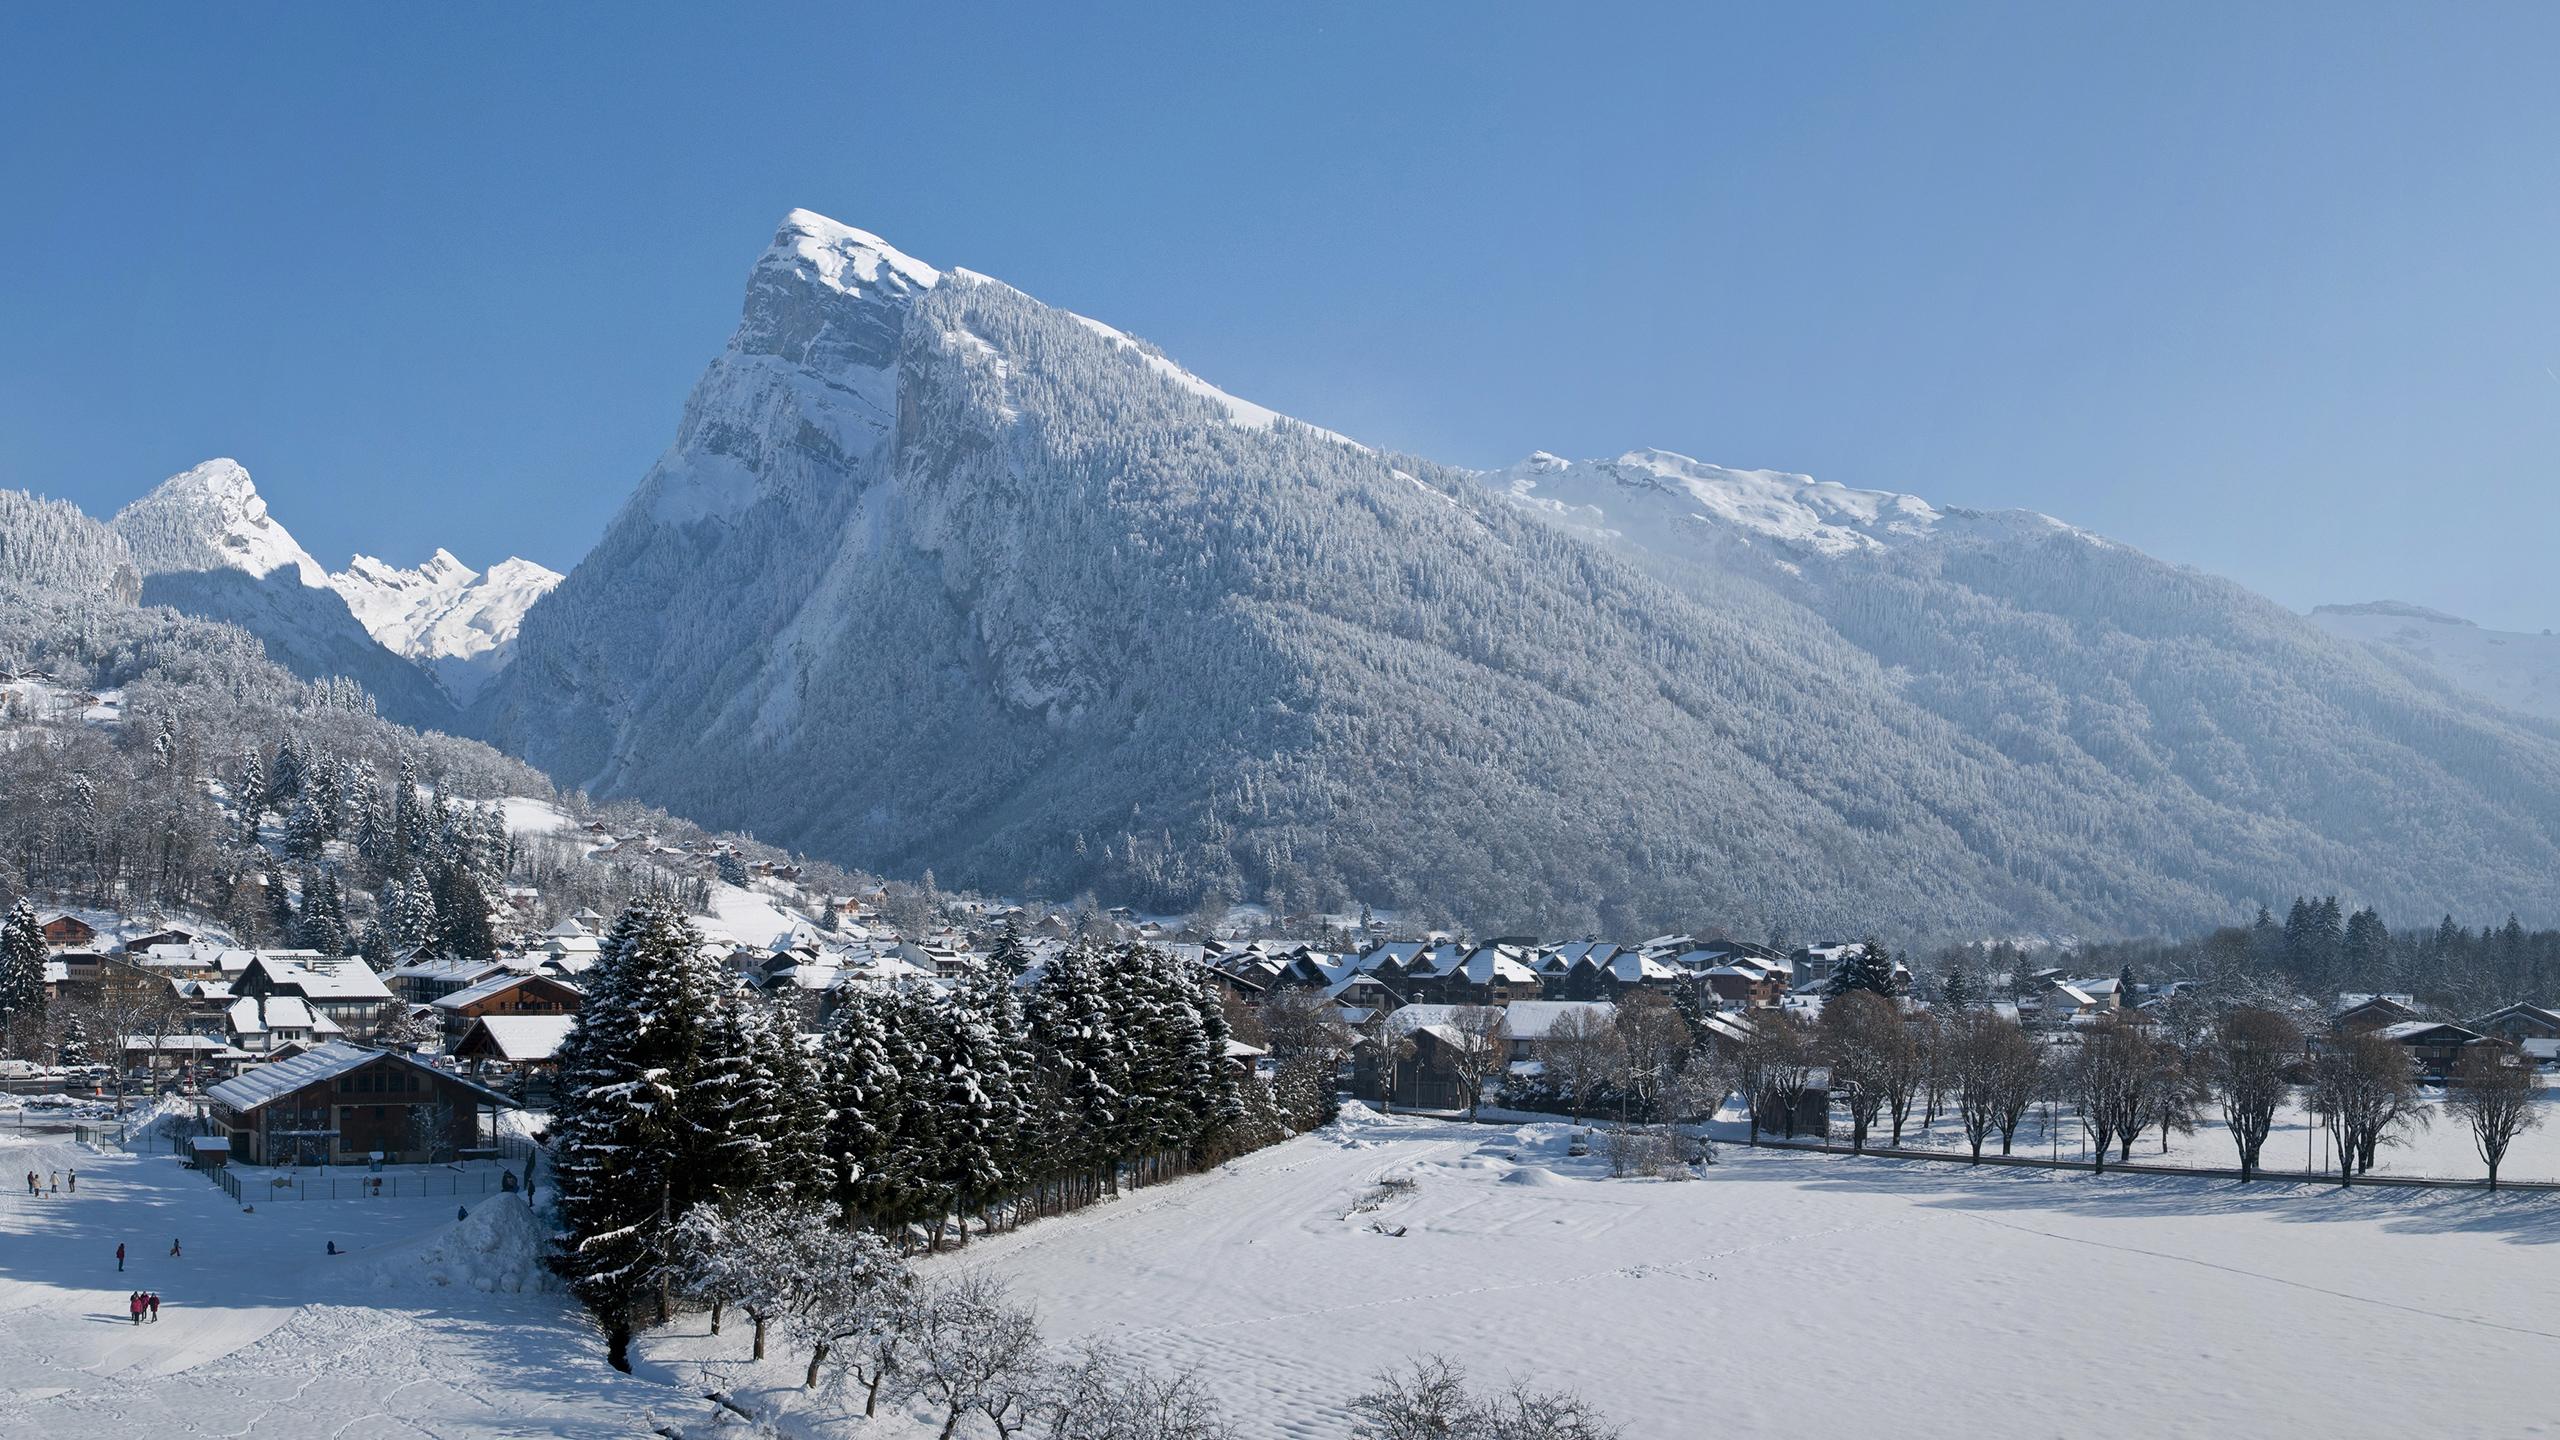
(631, 1140)
(981, 1042)
(1078, 1033)
(22, 952)
(1866, 966)
(871, 1085)
(763, 1145)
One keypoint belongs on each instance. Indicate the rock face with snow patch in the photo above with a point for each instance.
(936, 575)
(457, 622)
(206, 546)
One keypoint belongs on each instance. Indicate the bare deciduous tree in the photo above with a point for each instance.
(1863, 1040)
(1655, 1040)
(2492, 1091)
(1431, 1401)
(1098, 1395)
(2252, 1051)
(1992, 1066)
(2364, 1088)
(1583, 1054)
(1480, 1048)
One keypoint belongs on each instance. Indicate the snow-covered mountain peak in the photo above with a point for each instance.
(846, 259)
(211, 517)
(452, 619)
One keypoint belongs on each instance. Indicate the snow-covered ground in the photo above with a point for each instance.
(1779, 1295)
(1787, 1295)
(262, 1332)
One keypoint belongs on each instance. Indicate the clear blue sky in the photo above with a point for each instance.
(2270, 292)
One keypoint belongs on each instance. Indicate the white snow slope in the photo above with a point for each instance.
(2510, 668)
(459, 623)
(419, 1329)
(1657, 501)
(1789, 1295)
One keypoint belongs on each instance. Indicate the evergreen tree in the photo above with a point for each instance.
(321, 924)
(630, 1136)
(1867, 966)
(871, 1088)
(980, 1043)
(306, 831)
(73, 1046)
(732, 870)
(22, 956)
(462, 929)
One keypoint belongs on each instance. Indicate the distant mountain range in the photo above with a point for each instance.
(935, 575)
(421, 641)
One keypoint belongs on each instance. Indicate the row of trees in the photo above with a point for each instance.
(2122, 1080)
(914, 1109)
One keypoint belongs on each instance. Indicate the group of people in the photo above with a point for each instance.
(54, 1181)
(145, 1302)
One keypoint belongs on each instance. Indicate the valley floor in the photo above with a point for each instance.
(1778, 1295)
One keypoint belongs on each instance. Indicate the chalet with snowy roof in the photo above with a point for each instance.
(142, 943)
(2437, 1047)
(2372, 1012)
(523, 1047)
(2532, 1029)
(342, 987)
(505, 994)
(257, 1024)
(427, 979)
(1747, 981)
(338, 1103)
(69, 932)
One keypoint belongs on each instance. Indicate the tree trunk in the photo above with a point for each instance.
(950, 1423)
(818, 1357)
(760, 1321)
(718, 1303)
(617, 1347)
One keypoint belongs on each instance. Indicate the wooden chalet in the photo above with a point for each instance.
(339, 1103)
(507, 994)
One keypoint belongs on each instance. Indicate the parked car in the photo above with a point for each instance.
(20, 1070)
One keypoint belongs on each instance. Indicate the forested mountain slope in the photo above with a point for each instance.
(935, 575)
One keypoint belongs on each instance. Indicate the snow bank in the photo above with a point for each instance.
(498, 1249)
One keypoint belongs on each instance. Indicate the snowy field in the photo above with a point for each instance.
(1796, 1295)
(1780, 1295)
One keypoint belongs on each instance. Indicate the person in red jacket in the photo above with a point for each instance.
(119, 1258)
(152, 1300)
(133, 1302)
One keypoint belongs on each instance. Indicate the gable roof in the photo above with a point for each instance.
(521, 1038)
(264, 1084)
(494, 986)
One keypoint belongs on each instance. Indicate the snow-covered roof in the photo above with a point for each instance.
(336, 978)
(1533, 1019)
(490, 988)
(261, 1084)
(522, 1038)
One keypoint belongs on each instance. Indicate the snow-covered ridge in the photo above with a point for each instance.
(1241, 412)
(212, 518)
(445, 615)
(1659, 500)
(2512, 668)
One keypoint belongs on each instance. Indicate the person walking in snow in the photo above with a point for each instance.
(152, 1299)
(119, 1257)
(31, 1182)
(133, 1302)
(174, 1252)
(53, 1182)
(72, 1179)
